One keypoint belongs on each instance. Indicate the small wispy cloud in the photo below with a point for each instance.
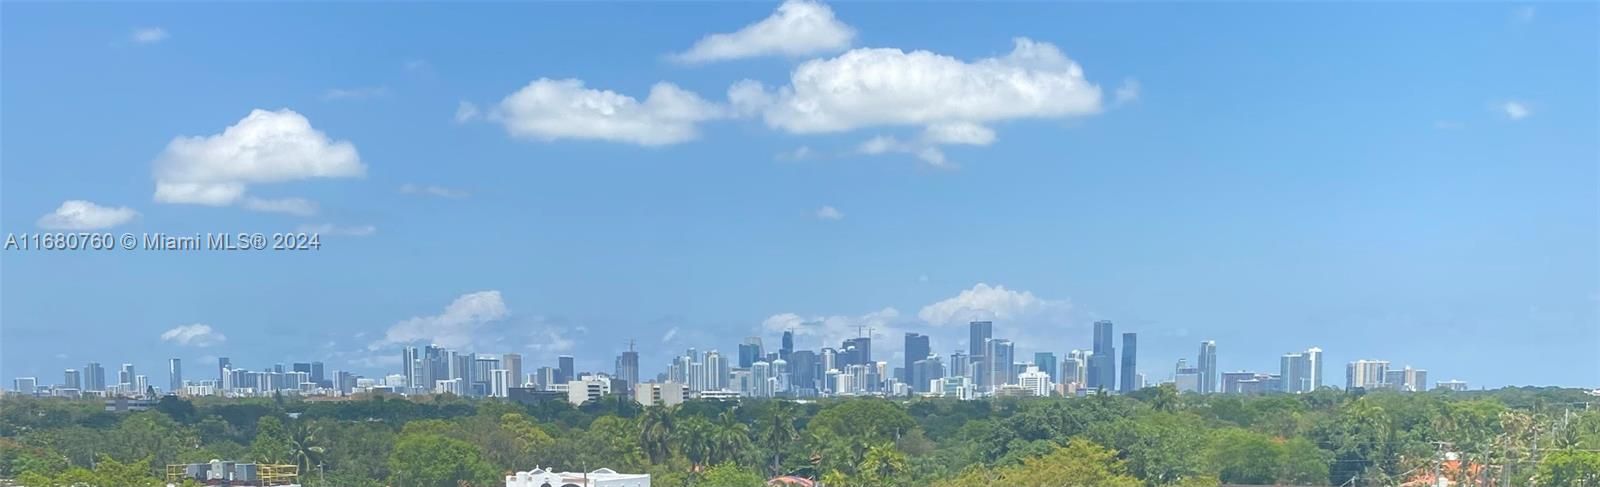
(1128, 91)
(466, 111)
(360, 93)
(1516, 110)
(829, 213)
(195, 335)
(341, 230)
(1524, 14)
(149, 35)
(798, 154)
(431, 190)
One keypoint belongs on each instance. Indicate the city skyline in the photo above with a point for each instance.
(1261, 176)
(793, 373)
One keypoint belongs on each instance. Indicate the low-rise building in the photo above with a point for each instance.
(604, 477)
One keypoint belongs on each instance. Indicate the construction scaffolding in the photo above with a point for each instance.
(233, 474)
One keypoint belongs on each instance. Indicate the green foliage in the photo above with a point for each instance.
(1154, 437)
(272, 443)
(1569, 468)
(1079, 464)
(430, 460)
(730, 475)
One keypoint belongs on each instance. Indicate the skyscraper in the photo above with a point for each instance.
(411, 368)
(749, 352)
(1130, 363)
(565, 368)
(125, 375)
(94, 377)
(916, 349)
(981, 331)
(72, 379)
(787, 344)
(1046, 361)
(317, 375)
(979, 334)
(627, 366)
(1302, 371)
(222, 365)
(1002, 360)
(1208, 367)
(1365, 374)
(174, 376)
(1102, 365)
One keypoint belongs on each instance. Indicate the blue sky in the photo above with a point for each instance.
(1410, 182)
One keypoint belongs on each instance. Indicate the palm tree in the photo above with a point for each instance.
(694, 440)
(305, 439)
(731, 436)
(656, 428)
(777, 431)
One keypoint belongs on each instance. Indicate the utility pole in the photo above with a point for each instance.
(1438, 463)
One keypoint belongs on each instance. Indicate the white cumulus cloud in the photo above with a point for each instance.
(834, 329)
(85, 215)
(264, 147)
(892, 87)
(195, 335)
(985, 302)
(452, 328)
(549, 109)
(797, 28)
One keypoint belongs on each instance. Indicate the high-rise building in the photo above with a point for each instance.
(807, 369)
(512, 362)
(1046, 361)
(787, 345)
(25, 385)
(1365, 374)
(125, 375)
(916, 349)
(1186, 378)
(483, 375)
(1102, 365)
(1036, 382)
(318, 377)
(1406, 379)
(924, 372)
(410, 368)
(72, 379)
(222, 365)
(565, 367)
(1130, 363)
(749, 352)
(859, 350)
(979, 334)
(1301, 372)
(715, 370)
(627, 367)
(1208, 367)
(94, 377)
(174, 376)
(1002, 358)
